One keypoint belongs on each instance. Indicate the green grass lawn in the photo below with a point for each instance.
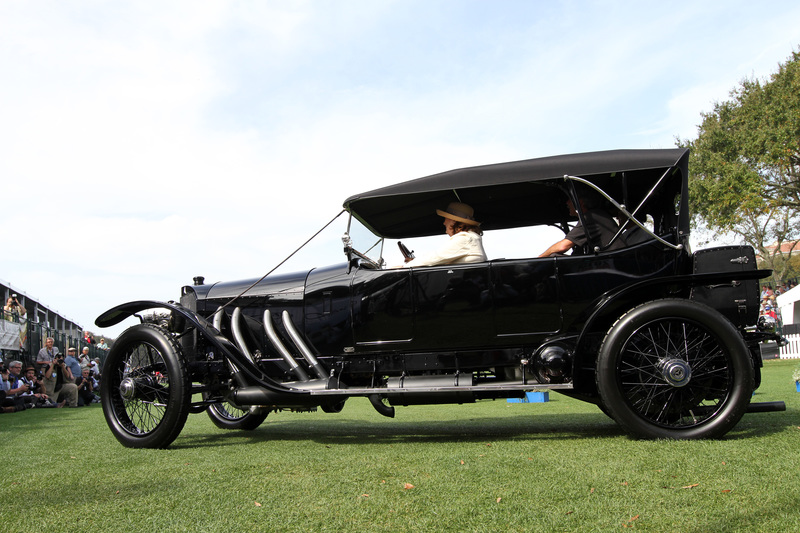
(490, 466)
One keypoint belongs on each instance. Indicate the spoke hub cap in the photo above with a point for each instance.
(676, 372)
(127, 388)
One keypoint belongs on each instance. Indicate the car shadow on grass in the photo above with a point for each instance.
(359, 431)
(345, 430)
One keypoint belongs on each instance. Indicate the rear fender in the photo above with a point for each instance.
(614, 303)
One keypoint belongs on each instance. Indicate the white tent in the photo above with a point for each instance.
(789, 304)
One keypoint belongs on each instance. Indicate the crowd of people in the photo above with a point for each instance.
(769, 304)
(55, 380)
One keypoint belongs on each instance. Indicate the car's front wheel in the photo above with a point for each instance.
(674, 369)
(145, 388)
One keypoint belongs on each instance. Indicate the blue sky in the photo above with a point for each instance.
(143, 143)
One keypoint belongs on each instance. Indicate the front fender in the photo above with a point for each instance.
(117, 314)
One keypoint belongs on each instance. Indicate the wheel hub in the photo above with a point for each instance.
(676, 372)
(127, 388)
(142, 387)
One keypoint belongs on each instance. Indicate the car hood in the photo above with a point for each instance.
(281, 285)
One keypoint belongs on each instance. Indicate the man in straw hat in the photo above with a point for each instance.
(465, 244)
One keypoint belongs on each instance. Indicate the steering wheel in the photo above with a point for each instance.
(408, 254)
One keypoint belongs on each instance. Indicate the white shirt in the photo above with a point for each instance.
(463, 247)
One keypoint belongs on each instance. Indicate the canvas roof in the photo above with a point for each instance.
(503, 195)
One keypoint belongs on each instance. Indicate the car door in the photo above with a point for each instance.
(382, 308)
(452, 306)
(526, 298)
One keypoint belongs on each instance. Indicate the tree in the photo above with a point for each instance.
(745, 164)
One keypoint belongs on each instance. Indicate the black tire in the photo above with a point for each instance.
(674, 369)
(145, 388)
(229, 416)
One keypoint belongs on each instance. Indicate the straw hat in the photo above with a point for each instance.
(460, 213)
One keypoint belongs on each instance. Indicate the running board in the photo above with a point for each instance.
(508, 386)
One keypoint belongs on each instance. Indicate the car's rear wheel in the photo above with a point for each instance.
(226, 415)
(145, 388)
(674, 369)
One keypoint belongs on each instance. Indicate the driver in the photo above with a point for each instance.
(465, 244)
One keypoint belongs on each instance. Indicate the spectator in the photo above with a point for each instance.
(94, 366)
(85, 383)
(15, 387)
(72, 362)
(84, 356)
(4, 380)
(102, 345)
(4, 386)
(65, 388)
(45, 359)
(12, 311)
(36, 395)
(87, 337)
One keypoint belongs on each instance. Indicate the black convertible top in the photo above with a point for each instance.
(504, 195)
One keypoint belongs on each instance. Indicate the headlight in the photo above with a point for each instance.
(767, 324)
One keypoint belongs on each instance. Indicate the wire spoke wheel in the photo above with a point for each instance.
(145, 390)
(675, 369)
(674, 374)
(226, 415)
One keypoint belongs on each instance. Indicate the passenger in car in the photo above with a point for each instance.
(600, 226)
(465, 244)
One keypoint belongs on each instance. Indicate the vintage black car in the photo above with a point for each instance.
(663, 340)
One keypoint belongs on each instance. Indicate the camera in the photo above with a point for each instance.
(91, 373)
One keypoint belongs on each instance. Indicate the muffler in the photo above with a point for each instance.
(436, 389)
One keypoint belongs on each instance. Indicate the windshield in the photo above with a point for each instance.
(363, 240)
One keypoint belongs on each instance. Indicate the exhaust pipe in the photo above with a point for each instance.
(313, 362)
(766, 407)
(382, 408)
(236, 327)
(254, 395)
(217, 322)
(260, 396)
(297, 370)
